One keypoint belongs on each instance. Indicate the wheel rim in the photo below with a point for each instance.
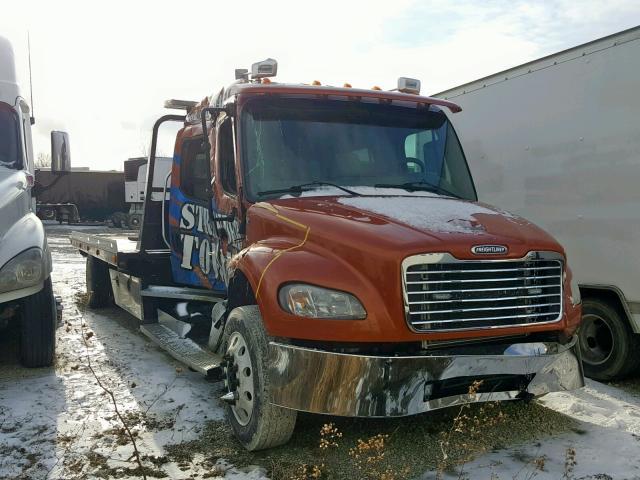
(596, 339)
(240, 378)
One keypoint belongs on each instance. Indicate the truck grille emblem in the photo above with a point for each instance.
(489, 249)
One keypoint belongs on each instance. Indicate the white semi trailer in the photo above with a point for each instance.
(558, 141)
(25, 261)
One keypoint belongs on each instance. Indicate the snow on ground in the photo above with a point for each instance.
(58, 423)
(606, 444)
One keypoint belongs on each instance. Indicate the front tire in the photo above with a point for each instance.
(610, 350)
(38, 328)
(256, 422)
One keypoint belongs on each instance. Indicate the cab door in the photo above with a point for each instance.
(191, 230)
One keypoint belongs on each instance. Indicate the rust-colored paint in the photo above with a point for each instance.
(320, 241)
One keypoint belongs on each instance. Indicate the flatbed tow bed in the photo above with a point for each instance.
(105, 246)
(131, 292)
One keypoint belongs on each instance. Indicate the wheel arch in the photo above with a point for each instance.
(241, 291)
(614, 297)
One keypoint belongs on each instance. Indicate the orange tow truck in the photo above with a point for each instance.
(321, 249)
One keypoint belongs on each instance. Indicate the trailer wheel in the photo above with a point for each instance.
(38, 328)
(255, 421)
(609, 347)
(99, 291)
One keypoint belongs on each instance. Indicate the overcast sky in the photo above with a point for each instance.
(102, 70)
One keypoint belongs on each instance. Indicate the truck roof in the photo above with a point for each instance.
(569, 54)
(244, 88)
(288, 89)
(8, 81)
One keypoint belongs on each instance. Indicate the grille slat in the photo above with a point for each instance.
(491, 299)
(482, 319)
(481, 271)
(458, 295)
(478, 280)
(419, 292)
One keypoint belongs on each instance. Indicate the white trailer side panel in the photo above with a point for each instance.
(558, 141)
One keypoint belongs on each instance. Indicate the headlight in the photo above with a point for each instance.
(317, 302)
(24, 270)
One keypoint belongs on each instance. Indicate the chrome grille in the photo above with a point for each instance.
(443, 293)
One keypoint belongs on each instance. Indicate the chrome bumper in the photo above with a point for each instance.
(318, 381)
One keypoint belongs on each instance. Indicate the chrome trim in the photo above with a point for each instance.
(331, 383)
(435, 258)
(494, 299)
(484, 271)
(479, 280)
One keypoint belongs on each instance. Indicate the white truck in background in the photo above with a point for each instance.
(557, 140)
(135, 177)
(26, 294)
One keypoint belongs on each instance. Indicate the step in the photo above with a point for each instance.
(183, 349)
(182, 293)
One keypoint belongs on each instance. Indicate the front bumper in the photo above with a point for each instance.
(350, 385)
(21, 293)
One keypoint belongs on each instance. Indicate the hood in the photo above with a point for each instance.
(408, 225)
(19, 228)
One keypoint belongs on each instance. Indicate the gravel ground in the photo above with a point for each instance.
(59, 423)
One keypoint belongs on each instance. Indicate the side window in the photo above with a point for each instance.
(194, 170)
(226, 157)
(10, 141)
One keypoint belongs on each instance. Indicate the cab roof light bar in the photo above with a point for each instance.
(179, 104)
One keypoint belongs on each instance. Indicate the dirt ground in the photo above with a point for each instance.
(60, 423)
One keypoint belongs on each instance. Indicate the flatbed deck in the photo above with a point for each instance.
(105, 246)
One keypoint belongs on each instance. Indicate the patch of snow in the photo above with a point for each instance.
(53, 419)
(438, 214)
(329, 191)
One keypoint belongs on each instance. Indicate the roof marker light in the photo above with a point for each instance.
(316, 83)
(347, 85)
(266, 80)
(409, 85)
(375, 87)
(265, 68)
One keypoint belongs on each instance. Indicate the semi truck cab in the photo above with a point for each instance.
(323, 250)
(25, 261)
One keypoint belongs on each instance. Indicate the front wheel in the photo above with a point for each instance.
(38, 328)
(609, 348)
(256, 422)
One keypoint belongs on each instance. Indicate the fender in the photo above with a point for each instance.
(293, 256)
(27, 232)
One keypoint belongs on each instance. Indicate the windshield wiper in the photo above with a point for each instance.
(305, 187)
(418, 186)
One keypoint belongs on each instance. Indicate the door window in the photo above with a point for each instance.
(226, 157)
(194, 171)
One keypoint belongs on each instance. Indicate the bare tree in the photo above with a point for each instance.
(43, 160)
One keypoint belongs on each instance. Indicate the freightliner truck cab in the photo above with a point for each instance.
(322, 249)
(25, 261)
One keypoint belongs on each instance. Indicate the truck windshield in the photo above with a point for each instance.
(289, 142)
(9, 138)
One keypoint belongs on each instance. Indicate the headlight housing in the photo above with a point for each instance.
(310, 301)
(24, 270)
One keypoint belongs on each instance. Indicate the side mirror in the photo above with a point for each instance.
(60, 154)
